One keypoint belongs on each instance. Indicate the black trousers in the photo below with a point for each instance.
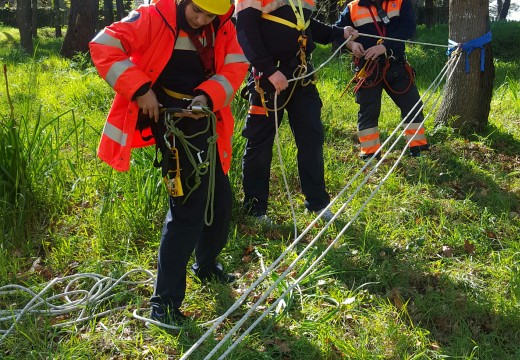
(369, 98)
(184, 229)
(304, 113)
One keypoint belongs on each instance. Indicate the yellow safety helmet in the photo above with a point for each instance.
(217, 7)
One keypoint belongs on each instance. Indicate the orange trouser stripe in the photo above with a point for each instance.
(257, 110)
(369, 137)
(419, 131)
(419, 142)
(370, 149)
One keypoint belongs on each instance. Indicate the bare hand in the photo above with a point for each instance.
(373, 52)
(149, 105)
(279, 81)
(357, 49)
(349, 31)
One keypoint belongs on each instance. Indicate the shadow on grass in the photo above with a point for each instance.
(268, 340)
(44, 46)
(467, 169)
(455, 310)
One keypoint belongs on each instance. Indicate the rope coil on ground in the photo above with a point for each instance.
(69, 301)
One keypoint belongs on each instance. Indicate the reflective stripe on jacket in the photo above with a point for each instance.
(402, 23)
(133, 52)
(360, 15)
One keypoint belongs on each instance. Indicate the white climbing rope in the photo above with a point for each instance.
(79, 300)
(72, 300)
(434, 85)
(404, 41)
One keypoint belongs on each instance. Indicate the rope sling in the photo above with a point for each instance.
(201, 166)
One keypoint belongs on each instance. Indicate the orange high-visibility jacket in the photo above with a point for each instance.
(133, 52)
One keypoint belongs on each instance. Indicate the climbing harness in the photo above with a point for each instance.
(300, 25)
(370, 69)
(301, 69)
(203, 164)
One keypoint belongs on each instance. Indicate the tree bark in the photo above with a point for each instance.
(57, 18)
(108, 12)
(467, 96)
(82, 27)
(23, 21)
(499, 8)
(120, 9)
(34, 18)
(428, 13)
(504, 10)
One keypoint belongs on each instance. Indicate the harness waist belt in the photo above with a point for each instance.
(176, 95)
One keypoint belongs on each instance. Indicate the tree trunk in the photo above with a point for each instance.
(108, 12)
(57, 18)
(504, 10)
(428, 13)
(120, 9)
(23, 21)
(499, 7)
(34, 18)
(82, 27)
(467, 96)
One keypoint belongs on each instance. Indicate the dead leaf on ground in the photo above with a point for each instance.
(283, 346)
(396, 298)
(491, 234)
(434, 346)
(248, 250)
(469, 247)
(447, 251)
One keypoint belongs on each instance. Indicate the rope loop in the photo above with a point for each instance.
(201, 166)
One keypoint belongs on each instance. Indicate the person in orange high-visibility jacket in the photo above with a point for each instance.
(390, 70)
(176, 54)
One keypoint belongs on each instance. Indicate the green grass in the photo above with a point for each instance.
(429, 270)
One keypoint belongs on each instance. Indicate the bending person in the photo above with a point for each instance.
(159, 56)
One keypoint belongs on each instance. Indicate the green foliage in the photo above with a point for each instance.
(429, 270)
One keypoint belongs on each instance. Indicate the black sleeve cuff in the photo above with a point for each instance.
(142, 90)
